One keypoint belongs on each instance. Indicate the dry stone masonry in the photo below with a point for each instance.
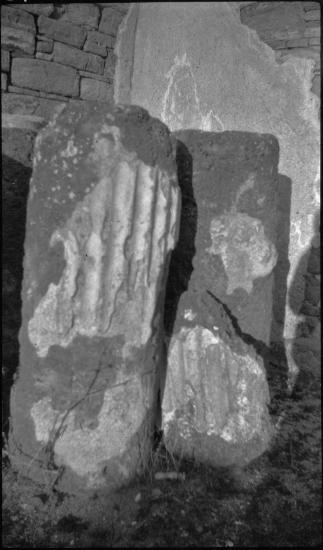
(216, 392)
(58, 52)
(102, 219)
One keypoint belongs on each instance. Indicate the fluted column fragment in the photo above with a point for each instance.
(102, 219)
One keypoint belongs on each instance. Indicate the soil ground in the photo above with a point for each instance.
(274, 501)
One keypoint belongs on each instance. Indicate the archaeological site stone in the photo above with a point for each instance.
(216, 392)
(102, 220)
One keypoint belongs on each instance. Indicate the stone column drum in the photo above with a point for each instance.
(216, 393)
(102, 219)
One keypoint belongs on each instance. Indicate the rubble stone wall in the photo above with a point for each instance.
(57, 52)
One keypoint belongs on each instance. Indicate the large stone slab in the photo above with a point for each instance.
(216, 394)
(235, 186)
(44, 75)
(101, 221)
(67, 55)
(62, 31)
(17, 40)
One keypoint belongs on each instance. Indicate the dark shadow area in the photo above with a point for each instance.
(15, 188)
(180, 267)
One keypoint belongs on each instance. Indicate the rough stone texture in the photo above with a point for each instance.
(68, 55)
(273, 16)
(101, 222)
(96, 90)
(61, 31)
(45, 46)
(215, 74)
(97, 42)
(110, 21)
(5, 61)
(17, 40)
(38, 9)
(215, 400)
(235, 186)
(82, 14)
(46, 76)
(11, 17)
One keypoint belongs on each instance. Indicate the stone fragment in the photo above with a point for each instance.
(82, 14)
(17, 40)
(45, 56)
(97, 42)
(96, 90)
(235, 183)
(44, 45)
(5, 61)
(216, 394)
(102, 219)
(68, 55)
(38, 9)
(4, 81)
(61, 31)
(297, 43)
(11, 17)
(46, 76)
(121, 6)
(110, 21)
(312, 32)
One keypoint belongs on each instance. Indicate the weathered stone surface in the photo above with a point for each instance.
(96, 90)
(82, 14)
(18, 40)
(110, 21)
(97, 42)
(45, 56)
(121, 6)
(235, 187)
(316, 85)
(38, 9)
(61, 31)
(5, 61)
(44, 45)
(45, 75)
(313, 15)
(11, 17)
(276, 16)
(68, 55)
(216, 394)
(95, 76)
(101, 221)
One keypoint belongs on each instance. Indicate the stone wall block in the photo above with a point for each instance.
(5, 61)
(316, 85)
(97, 42)
(67, 55)
(38, 9)
(95, 90)
(17, 40)
(45, 76)
(44, 46)
(11, 17)
(21, 104)
(110, 21)
(110, 64)
(82, 14)
(102, 220)
(61, 31)
(313, 15)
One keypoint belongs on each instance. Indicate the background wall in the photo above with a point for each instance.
(196, 65)
(57, 52)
